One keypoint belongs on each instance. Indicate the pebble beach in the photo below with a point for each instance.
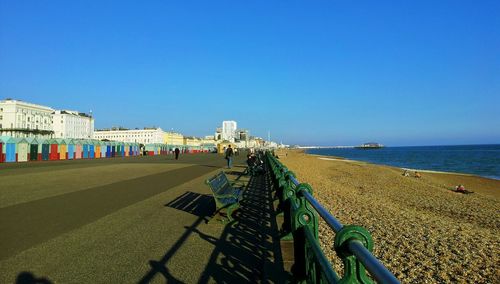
(423, 231)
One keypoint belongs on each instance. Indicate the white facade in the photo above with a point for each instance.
(72, 124)
(229, 130)
(144, 136)
(22, 119)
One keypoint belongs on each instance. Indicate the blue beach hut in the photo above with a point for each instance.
(92, 144)
(9, 148)
(70, 148)
(108, 150)
(85, 147)
(44, 149)
(113, 149)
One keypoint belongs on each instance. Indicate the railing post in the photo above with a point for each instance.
(288, 192)
(302, 216)
(354, 271)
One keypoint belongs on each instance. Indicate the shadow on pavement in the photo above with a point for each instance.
(200, 205)
(248, 249)
(29, 278)
(197, 204)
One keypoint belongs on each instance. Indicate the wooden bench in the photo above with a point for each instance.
(227, 198)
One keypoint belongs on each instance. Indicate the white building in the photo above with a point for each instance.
(229, 130)
(73, 124)
(143, 136)
(22, 119)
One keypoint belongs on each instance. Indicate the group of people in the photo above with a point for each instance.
(406, 173)
(253, 161)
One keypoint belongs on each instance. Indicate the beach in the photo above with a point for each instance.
(423, 231)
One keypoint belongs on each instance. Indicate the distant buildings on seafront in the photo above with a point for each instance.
(143, 136)
(23, 119)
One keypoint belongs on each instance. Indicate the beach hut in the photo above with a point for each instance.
(44, 149)
(70, 144)
(97, 145)
(132, 149)
(78, 148)
(118, 149)
(32, 148)
(104, 148)
(113, 149)
(22, 149)
(149, 149)
(41, 142)
(122, 149)
(126, 149)
(62, 148)
(109, 149)
(54, 149)
(92, 144)
(85, 149)
(9, 149)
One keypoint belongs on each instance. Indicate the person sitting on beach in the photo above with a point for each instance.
(406, 173)
(460, 188)
(418, 175)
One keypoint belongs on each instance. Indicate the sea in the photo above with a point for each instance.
(481, 160)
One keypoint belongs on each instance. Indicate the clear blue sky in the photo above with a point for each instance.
(312, 72)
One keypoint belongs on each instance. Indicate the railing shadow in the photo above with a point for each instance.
(248, 250)
(197, 204)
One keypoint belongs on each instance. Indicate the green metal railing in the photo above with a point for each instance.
(353, 244)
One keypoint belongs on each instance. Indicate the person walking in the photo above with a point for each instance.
(177, 151)
(229, 156)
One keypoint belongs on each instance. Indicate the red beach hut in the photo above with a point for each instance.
(1, 152)
(54, 150)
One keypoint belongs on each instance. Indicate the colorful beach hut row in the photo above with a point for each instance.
(34, 149)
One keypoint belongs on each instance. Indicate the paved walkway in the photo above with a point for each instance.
(148, 229)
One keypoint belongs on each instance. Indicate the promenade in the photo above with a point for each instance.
(133, 220)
